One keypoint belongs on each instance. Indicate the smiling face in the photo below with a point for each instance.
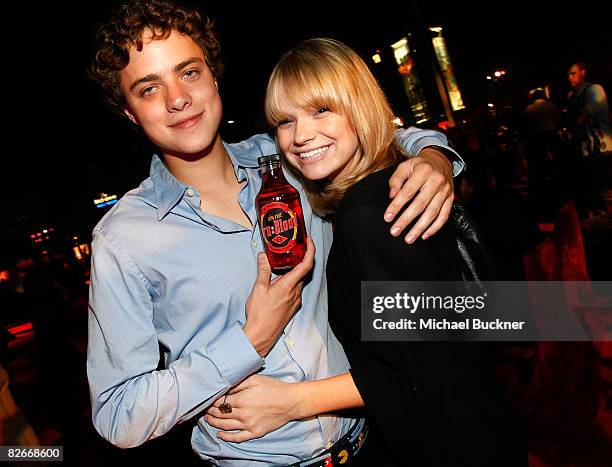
(332, 120)
(171, 93)
(320, 143)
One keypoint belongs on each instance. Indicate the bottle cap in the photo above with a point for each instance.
(269, 158)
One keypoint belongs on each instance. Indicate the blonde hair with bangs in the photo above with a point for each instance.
(326, 73)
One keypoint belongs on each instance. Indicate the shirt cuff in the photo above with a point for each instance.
(234, 355)
(450, 153)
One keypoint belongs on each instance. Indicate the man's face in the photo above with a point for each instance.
(171, 93)
(576, 76)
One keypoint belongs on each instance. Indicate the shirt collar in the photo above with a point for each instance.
(238, 168)
(581, 88)
(169, 190)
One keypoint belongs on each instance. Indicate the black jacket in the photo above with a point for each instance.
(429, 403)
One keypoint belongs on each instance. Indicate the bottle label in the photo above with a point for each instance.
(279, 226)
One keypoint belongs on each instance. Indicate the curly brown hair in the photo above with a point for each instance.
(125, 29)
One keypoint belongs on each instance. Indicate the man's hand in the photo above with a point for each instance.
(430, 177)
(260, 405)
(272, 304)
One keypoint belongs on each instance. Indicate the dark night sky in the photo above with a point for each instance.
(73, 147)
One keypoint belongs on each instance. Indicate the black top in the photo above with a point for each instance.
(429, 404)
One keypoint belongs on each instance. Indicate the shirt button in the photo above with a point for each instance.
(254, 244)
(190, 192)
(290, 343)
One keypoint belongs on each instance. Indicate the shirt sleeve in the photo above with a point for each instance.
(414, 140)
(133, 400)
(596, 103)
(247, 151)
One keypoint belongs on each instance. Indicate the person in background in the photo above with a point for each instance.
(589, 124)
(542, 119)
(14, 428)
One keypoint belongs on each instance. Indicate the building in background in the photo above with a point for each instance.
(446, 69)
(432, 92)
(411, 82)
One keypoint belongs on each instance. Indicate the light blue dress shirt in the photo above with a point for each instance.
(169, 284)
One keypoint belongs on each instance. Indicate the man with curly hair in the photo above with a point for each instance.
(175, 320)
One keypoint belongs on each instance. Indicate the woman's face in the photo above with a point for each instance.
(318, 142)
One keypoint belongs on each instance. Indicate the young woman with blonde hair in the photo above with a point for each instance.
(427, 403)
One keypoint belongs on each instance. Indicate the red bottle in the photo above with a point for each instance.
(280, 216)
